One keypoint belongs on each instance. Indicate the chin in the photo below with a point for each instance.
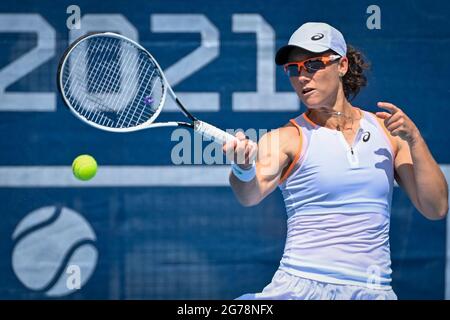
(313, 103)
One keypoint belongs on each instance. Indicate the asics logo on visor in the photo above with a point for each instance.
(317, 36)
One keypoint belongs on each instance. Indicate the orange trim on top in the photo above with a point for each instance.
(297, 156)
(308, 119)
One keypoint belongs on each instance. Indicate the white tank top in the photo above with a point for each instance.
(338, 202)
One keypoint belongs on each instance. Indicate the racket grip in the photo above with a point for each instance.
(211, 132)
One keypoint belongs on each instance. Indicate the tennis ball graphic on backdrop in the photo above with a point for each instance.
(84, 167)
(54, 251)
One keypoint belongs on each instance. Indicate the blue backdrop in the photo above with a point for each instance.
(147, 229)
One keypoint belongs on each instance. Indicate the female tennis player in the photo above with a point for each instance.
(335, 165)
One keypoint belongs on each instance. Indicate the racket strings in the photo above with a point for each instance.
(111, 82)
(144, 113)
(124, 114)
(97, 102)
(74, 75)
(105, 71)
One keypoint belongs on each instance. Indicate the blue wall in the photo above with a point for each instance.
(161, 242)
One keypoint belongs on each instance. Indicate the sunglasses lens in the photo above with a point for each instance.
(292, 70)
(310, 66)
(313, 66)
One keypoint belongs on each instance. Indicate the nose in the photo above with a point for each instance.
(304, 73)
(304, 76)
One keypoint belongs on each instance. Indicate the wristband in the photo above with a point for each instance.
(244, 175)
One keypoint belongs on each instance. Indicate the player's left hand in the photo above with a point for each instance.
(398, 123)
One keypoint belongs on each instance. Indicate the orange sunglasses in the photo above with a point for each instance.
(312, 65)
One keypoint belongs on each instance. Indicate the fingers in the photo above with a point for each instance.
(395, 125)
(253, 150)
(229, 146)
(245, 152)
(383, 115)
(241, 150)
(397, 122)
(240, 135)
(388, 106)
(393, 119)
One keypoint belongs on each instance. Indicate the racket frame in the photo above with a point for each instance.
(201, 127)
(149, 123)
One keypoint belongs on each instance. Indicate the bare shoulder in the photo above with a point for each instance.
(395, 141)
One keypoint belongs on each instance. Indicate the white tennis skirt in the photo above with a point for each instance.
(285, 286)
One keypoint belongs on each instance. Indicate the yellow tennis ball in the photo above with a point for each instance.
(84, 167)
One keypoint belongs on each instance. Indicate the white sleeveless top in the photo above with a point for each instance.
(338, 202)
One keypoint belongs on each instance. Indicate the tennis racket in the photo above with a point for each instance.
(112, 83)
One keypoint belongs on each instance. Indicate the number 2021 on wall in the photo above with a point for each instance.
(265, 98)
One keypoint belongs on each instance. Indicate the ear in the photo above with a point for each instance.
(343, 66)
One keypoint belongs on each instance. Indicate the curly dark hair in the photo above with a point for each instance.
(354, 79)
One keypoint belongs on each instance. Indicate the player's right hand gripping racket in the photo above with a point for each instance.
(114, 84)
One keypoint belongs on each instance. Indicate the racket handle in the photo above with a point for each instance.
(212, 132)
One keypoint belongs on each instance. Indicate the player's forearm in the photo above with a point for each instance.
(432, 188)
(247, 193)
